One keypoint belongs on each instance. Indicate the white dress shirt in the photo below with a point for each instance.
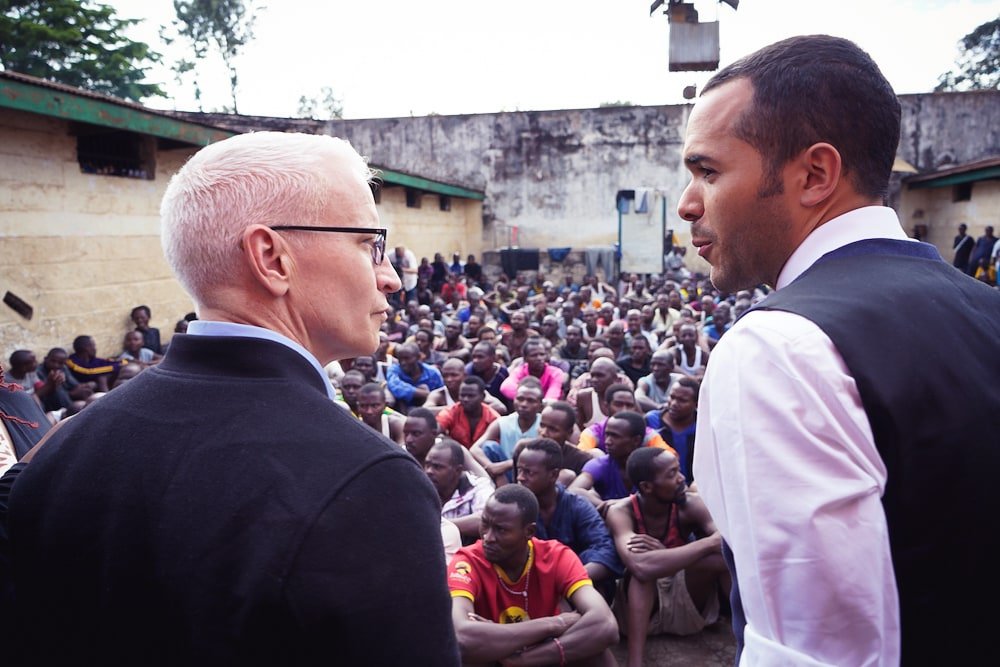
(786, 463)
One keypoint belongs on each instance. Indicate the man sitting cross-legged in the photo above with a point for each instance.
(672, 582)
(558, 423)
(421, 432)
(463, 495)
(376, 414)
(606, 478)
(411, 380)
(453, 371)
(653, 391)
(567, 517)
(467, 420)
(619, 398)
(509, 590)
(495, 449)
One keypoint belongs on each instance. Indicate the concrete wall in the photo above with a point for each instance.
(83, 249)
(554, 174)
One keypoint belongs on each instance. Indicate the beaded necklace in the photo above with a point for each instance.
(527, 577)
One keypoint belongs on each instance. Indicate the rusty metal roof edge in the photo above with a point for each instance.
(101, 97)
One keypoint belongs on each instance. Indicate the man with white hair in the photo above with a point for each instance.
(219, 508)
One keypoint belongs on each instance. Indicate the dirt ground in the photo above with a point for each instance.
(712, 647)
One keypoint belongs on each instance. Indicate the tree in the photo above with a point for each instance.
(75, 42)
(978, 66)
(223, 25)
(329, 106)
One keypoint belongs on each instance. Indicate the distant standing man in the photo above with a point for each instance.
(963, 249)
(818, 455)
(219, 508)
(405, 264)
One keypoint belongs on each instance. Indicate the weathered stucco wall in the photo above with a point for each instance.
(428, 229)
(934, 207)
(554, 174)
(82, 249)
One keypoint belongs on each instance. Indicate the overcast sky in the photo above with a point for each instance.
(400, 57)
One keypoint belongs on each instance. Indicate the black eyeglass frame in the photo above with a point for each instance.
(378, 247)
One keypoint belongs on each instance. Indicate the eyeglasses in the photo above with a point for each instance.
(378, 245)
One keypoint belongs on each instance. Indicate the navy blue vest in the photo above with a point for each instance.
(922, 342)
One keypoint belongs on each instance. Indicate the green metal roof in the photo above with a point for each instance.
(982, 170)
(25, 93)
(391, 177)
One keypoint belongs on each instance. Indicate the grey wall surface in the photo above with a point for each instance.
(554, 174)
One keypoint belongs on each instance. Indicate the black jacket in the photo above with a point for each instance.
(219, 509)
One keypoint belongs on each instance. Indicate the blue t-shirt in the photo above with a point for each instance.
(681, 441)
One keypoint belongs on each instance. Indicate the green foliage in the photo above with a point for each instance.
(617, 103)
(328, 106)
(223, 26)
(978, 66)
(75, 42)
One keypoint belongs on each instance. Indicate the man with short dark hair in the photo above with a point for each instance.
(519, 333)
(536, 364)
(982, 251)
(722, 320)
(463, 495)
(350, 386)
(962, 246)
(57, 388)
(420, 432)
(410, 380)
(557, 423)
(377, 415)
(636, 364)
(620, 398)
(562, 516)
(150, 336)
(495, 449)
(672, 583)
(21, 371)
(467, 420)
(86, 366)
(817, 438)
(509, 588)
(454, 345)
(605, 478)
(484, 365)
(677, 421)
(453, 374)
(653, 390)
(133, 350)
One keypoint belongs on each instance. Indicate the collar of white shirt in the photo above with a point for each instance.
(211, 328)
(869, 222)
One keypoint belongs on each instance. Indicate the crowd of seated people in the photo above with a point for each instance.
(68, 379)
(583, 393)
(557, 387)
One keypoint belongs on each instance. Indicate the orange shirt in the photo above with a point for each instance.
(455, 424)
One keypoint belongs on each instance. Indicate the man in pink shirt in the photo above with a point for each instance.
(536, 363)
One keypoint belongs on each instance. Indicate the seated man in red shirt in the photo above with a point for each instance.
(466, 421)
(509, 592)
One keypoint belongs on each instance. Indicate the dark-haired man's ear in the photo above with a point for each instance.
(821, 174)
